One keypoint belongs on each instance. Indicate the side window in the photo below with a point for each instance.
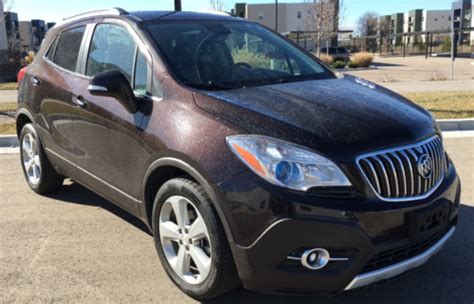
(112, 48)
(67, 49)
(52, 48)
(141, 75)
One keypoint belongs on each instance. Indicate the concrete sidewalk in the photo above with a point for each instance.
(8, 95)
(430, 86)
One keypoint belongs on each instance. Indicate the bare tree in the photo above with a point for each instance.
(323, 20)
(8, 5)
(367, 25)
(217, 5)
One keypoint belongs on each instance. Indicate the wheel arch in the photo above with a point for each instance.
(23, 117)
(166, 168)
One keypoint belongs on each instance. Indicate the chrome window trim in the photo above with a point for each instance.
(400, 267)
(377, 154)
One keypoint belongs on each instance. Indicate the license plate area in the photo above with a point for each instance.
(427, 222)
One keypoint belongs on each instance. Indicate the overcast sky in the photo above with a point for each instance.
(55, 10)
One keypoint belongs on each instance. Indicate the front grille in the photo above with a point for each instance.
(396, 255)
(396, 174)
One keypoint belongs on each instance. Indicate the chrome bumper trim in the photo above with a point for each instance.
(401, 267)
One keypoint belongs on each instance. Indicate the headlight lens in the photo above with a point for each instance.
(285, 164)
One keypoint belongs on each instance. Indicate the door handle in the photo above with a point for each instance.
(36, 82)
(79, 101)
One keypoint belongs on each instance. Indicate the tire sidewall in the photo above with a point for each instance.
(177, 187)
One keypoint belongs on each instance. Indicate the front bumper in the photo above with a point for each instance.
(401, 267)
(270, 225)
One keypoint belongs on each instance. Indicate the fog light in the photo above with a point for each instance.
(315, 259)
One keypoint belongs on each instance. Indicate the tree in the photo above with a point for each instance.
(323, 20)
(7, 5)
(217, 5)
(367, 25)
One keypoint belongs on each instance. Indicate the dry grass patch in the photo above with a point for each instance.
(363, 59)
(9, 86)
(7, 106)
(445, 105)
(8, 128)
(326, 59)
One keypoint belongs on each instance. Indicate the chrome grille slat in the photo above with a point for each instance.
(393, 174)
(374, 175)
(402, 176)
(410, 169)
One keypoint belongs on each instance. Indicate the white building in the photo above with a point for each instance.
(436, 20)
(3, 30)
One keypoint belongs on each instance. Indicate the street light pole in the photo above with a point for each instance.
(177, 5)
(276, 15)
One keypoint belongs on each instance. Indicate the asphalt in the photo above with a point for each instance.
(74, 246)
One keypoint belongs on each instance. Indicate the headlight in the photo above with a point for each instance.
(285, 164)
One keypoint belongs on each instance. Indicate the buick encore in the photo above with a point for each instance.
(252, 163)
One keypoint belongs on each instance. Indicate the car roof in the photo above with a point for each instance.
(146, 16)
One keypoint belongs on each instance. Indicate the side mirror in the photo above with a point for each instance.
(114, 84)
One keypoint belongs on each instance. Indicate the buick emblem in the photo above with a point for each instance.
(425, 166)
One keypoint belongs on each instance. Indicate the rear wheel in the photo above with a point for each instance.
(190, 241)
(39, 173)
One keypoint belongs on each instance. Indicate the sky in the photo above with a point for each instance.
(55, 10)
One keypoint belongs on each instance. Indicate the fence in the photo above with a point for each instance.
(402, 44)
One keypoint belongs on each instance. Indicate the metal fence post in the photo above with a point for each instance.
(404, 45)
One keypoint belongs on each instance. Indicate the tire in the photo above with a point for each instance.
(221, 276)
(39, 174)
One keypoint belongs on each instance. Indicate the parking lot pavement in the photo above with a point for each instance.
(76, 247)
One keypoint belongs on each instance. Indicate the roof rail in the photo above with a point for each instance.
(116, 11)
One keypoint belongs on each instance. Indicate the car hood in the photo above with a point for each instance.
(340, 118)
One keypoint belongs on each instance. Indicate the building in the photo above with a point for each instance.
(50, 25)
(27, 41)
(13, 31)
(396, 26)
(462, 18)
(3, 33)
(39, 31)
(292, 17)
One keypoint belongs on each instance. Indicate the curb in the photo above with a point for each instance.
(446, 125)
(456, 124)
(8, 141)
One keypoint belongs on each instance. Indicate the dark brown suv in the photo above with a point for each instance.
(251, 162)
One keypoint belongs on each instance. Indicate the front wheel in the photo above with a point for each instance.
(190, 241)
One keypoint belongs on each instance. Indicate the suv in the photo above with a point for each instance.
(338, 53)
(251, 162)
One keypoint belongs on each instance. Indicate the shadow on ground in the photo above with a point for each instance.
(381, 65)
(447, 278)
(76, 194)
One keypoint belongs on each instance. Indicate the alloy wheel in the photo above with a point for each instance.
(31, 158)
(185, 239)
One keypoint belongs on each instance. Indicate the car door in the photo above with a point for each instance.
(53, 81)
(108, 136)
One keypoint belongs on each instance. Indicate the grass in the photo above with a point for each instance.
(8, 128)
(446, 104)
(7, 106)
(8, 86)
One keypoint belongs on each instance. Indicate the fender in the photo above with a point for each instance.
(211, 189)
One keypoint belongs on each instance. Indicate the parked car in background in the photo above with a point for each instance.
(337, 53)
(250, 161)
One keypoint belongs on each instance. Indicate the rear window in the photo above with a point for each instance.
(67, 49)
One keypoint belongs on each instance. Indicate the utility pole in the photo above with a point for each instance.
(177, 5)
(276, 15)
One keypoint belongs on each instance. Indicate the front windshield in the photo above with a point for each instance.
(221, 55)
